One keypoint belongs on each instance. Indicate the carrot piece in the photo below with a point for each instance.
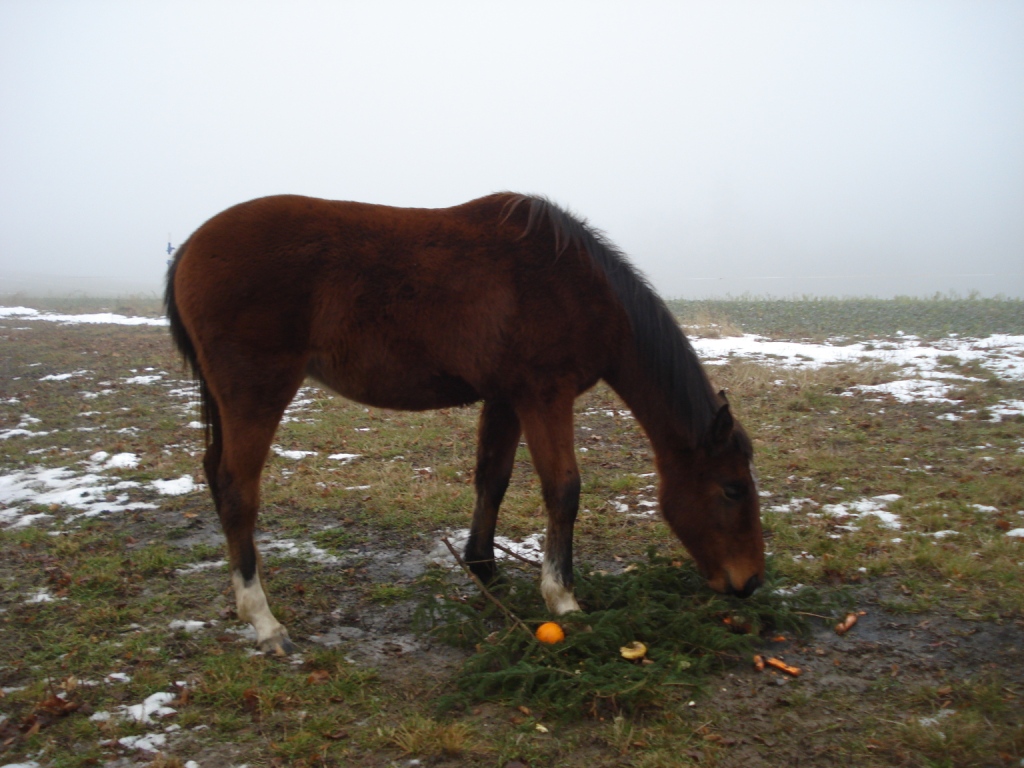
(759, 662)
(771, 661)
(846, 624)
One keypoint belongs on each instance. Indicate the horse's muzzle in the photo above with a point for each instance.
(748, 589)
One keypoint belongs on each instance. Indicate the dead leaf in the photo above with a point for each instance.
(318, 677)
(251, 702)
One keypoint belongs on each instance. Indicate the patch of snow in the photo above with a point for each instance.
(179, 487)
(530, 547)
(345, 458)
(61, 486)
(148, 742)
(98, 318)
(1017, 533)
(196, 567)
(154, 706)
(908, 391)
(63, 376)
(874, 506)
(187, 625)
(120, 460)
(296, 455)
(300, 549)
(1006, 409)
(1000, 353)
(143, 379)
(41, 596)
(942, 714)
(794, 505)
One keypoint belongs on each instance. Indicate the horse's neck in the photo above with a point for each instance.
(669, 427)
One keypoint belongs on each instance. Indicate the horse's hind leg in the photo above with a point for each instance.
(549, 434)
(247, 425)
(497, 440)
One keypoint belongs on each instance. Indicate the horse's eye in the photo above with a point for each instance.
(734, 491)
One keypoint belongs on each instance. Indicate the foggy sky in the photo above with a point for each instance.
(780, 148)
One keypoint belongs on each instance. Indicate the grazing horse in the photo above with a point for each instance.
(507, 299)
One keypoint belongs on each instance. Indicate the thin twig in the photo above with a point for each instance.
(517, 556)
(487, 592)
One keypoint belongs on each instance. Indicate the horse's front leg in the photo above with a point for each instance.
(497, 441)
(549, 434)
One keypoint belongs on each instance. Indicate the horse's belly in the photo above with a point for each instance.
(400, 390)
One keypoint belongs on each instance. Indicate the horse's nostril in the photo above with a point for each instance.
(749, 588)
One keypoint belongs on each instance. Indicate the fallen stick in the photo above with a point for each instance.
(517, 556)
(487, 592)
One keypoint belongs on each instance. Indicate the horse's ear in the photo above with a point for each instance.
(721, 428)
(721, 394)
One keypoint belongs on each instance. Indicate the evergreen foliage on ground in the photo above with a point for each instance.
(689, 631)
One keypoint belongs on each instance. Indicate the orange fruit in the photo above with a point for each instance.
(550, 633)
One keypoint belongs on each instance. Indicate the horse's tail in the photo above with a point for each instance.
(185, 345)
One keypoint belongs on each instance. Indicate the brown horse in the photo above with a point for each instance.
(506, 299)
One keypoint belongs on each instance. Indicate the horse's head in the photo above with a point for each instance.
(709, 498)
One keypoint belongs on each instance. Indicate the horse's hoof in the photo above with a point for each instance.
(278, 645)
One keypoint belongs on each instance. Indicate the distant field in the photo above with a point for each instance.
(857, 318)
(892, 481)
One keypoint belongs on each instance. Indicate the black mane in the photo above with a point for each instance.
(663, 347)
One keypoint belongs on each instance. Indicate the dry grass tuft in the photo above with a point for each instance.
(425, 736)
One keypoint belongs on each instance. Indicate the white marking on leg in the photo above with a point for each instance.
(252, 606)
(558, 598)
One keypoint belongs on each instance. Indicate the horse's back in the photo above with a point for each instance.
(399, 307)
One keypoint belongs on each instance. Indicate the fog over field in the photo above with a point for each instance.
(791, 148)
